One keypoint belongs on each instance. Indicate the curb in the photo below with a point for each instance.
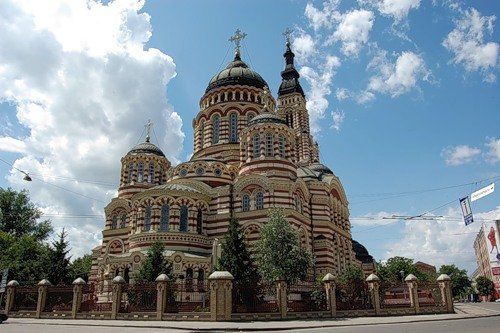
(249, 329)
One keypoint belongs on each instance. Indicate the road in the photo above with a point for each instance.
(476, 325)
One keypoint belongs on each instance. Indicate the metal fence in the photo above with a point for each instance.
(353, 296)
(59, 298)
(306, 296)
(257, 298)
(394, 295)
(139, 297)
(429, 294)
(182, 297)
(25, 298)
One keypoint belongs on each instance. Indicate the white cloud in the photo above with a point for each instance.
(444, 241)
(83, 82)
(337, 119)
(320, 83)
(459, 155)
(12, 145)
(396, 78)
(466, 42)
(493, 154)
(322, 18)
(341, 94)
(303, 47)
(353, 31)
(397, 9)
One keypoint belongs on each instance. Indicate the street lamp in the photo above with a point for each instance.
(402, 272)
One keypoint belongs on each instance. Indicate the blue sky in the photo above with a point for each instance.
(416, 112)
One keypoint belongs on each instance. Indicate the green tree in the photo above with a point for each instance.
(279, 254)
(397, 268)
(155, 264)
(460, 282)
(235, 257)
(59, 272)
(351, 285)
(80, 267)
(484, 286)
(19, 216)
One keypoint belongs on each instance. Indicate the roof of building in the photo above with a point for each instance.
(361, 252)
(267, 117)
(176, 187)
(146, 147)
(236, 72)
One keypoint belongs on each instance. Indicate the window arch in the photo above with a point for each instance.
(233, 127)
(189, 279)
(245, 203)
(199, 222)
(201, 279)
(215, 129)
(259, 200)
(123, 220)
(269, 145)
(256, 145)
(126, 275)
(151, 174)
(147, 218)
(165, 217)
(140, 172)
(130, 172)
(114, 222)
(281, 142)
(202, 133)
(183, 225)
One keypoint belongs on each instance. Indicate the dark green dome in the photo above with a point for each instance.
(146, 148)
(236, 72)
(267, 117)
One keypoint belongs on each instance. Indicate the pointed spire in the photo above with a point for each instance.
(148, 127)
(290, 76)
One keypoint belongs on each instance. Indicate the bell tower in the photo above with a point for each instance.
(292, 105)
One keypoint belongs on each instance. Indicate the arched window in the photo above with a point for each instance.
(189, 279)
(140, 173)
(126, 275)
(215, 129)
(117, 271)
(183, 226)
(289, 119)
(114, 222)
(269, 145)
(123, 221)
(245, 203)
(281, 140)
(199, 221)
(147, 218)
(151, 174)
(165, 217)
(202, 133)
(130, 172)
(233, 127)
(259, 200)
(256, 146)
(201, 279)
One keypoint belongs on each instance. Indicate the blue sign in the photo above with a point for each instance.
(466, 210)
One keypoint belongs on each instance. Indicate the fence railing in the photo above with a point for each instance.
(394, 295)
(25, 298)
(429, 294)
(353, 296)
(254, 298)
(187, 297)
(139, 298)
(306, 296)
(59, 298)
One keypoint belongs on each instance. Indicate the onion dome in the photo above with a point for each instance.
(267, 117)
(146, 147)
(361, 252)
(236, 72)
(290, 77)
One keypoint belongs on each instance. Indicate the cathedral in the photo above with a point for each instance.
(252, 153)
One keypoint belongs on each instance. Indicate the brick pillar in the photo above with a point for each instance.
(331, 301)
(11, 292)
(411, 281)
(221, 297)
(77, 296)
(281, 297)
(161, 295)
(42, 296)
(118, 282)
(373, 286)
(444, 282)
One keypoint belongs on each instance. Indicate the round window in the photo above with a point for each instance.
(200, 171)
(218, 172)
(183, 172)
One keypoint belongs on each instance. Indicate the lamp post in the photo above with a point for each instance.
(402, 272)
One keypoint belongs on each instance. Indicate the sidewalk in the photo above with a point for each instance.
(464, 311)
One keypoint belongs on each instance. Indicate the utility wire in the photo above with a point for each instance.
(224, 59)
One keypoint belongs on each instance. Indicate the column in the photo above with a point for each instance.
(221, 300)
(42, 296)
(444, 282)
(11, 292)
(373, 286)
(281, 297)
(331, 301)
(118, 282)
(161, 295)
(411, 281)
(77, 296)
